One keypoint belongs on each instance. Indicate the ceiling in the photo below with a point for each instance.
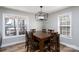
(35, 9)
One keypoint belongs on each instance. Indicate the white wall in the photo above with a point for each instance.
(33, 24)
(53, 23)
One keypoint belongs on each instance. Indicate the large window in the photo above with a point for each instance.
(13, 25)
(64, 24)
(10, 28)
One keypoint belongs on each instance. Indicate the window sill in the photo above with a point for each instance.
(13, 36)
(63, 36)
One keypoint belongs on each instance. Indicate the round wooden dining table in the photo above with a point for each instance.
(41, 37)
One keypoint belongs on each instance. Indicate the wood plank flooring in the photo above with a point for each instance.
(21, 48)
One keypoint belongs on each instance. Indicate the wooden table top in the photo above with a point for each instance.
(42, 35)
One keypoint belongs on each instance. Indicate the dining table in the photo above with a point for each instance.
(41, 37)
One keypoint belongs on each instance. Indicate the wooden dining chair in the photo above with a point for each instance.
(54, 42)
(50, 31)
(47, 43)
(33, 30)
(32, 43)
(43, 30)
(27, 41)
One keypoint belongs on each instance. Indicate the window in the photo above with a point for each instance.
(64, 24)
(14, 25)
(10, 28)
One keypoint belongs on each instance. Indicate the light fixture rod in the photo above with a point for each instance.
(41, 8)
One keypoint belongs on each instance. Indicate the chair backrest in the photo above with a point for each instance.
(50, 31)
(33, 30)
(55, 41)
(43, 30)
(31, 34)
(27, 35)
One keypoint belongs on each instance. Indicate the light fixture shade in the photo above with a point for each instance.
(41, 16)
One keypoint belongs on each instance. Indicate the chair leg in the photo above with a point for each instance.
(25, 45)
(57, 47)
(27, 48)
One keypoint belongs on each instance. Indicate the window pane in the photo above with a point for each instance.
(21, 27)
(63, 30)
(10, 29)
(68, 31)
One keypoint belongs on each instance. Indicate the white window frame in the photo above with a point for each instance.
(17, 33)
(70, 16)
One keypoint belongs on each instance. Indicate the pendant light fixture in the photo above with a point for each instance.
(41, 15)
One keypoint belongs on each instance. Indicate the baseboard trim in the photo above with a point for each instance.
(6, 45)
(71, 46)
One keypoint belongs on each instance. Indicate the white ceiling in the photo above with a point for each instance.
(35, 9)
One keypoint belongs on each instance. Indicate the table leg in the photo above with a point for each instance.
(41, 45)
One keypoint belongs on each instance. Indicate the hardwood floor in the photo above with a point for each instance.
(21, 48)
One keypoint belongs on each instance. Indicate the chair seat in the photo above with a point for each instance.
(35, 43)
